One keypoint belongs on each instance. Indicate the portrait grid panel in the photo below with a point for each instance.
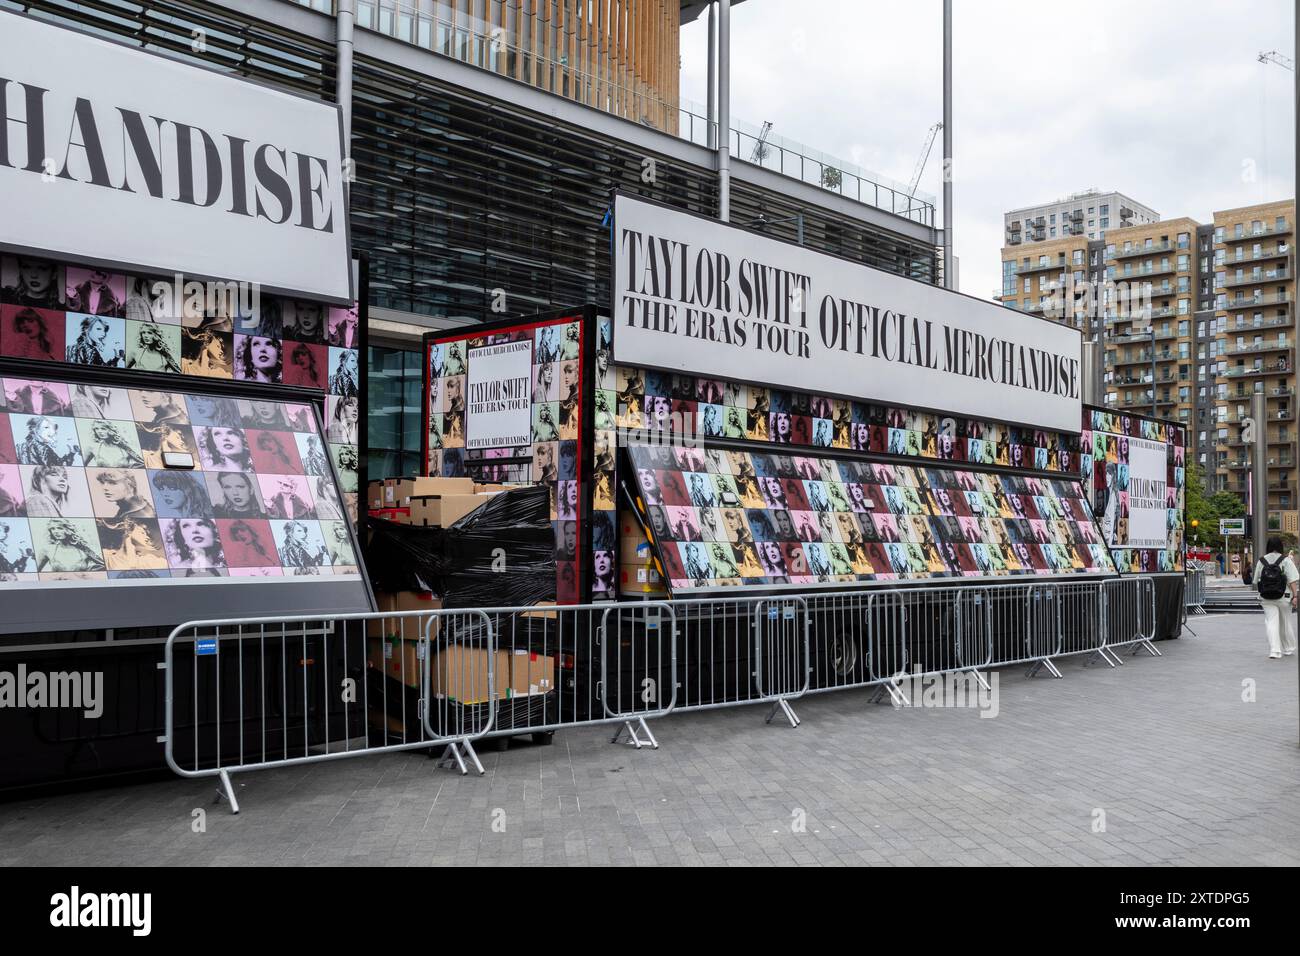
(729, 518)
(1109, 445)
(555, 409)
(62, 312)
(704, 408)
(86, 491)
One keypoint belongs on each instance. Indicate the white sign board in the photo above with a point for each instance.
(696, 296)
(1148, 474)
(117, 157)
(499, 413)
(1232, 526)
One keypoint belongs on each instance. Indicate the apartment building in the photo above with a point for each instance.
(1149, 315)
(1254, 334)
(1088, 214)
(1196, 318)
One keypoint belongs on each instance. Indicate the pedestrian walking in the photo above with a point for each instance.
(1276, 580)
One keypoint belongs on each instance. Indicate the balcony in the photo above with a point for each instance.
(1144, 358)
(1259, 301)
(1283, 416)
(1275, 368)
(1247, 234)
(1280, 251)
(1041, 267)
(1275, 345)
(1256, 278)
(441, 28)
(1164, 312)
(1164, 246)
(1146, 272)
(1128, 337)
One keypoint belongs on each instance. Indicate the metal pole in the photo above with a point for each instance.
(1259, 476)
(344, 20)
(712, 98)
(948, 271)
(724, 110)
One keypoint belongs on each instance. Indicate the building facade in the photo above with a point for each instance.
(1088, 214)
(488, 138)
(1254, 331)
(1196, 318)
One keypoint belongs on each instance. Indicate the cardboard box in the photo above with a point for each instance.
(395, 657)
(531, 673)
(399, 491)
(461, 674)
(399, 515)
(633, 551)
(375, 495)
(488, 489)
(451, 508)
(390, 603)
(548, 615)
(641, 579)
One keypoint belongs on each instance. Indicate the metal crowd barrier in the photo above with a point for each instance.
(570, 665)
(1194, 592)
(244, 695)
(251, 694)
(1130, 616)
(736, 651)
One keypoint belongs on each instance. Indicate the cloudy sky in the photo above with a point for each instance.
(1162, 100)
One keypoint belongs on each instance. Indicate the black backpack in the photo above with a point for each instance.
(1272, 579)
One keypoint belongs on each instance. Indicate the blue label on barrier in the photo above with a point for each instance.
(771, 614)
(205, 647)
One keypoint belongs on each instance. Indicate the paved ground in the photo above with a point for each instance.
(1183, 770)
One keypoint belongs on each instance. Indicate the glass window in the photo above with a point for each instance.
(394, 419)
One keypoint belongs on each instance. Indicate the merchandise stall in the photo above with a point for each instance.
(749, 417)
(179, 378)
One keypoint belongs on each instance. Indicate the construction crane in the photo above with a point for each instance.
(1272, 56)
(760, 145)
(925, 155)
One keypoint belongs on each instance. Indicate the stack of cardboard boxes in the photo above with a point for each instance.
(457, 672)
(432, 502)
(639, 572)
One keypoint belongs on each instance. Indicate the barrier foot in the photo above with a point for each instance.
(786, 709)
(896, 695)
(633, 737)
(983, 683)
(1044, 664)
(453, 755)
(1110, 657)
(227, 791)
(1148, 647)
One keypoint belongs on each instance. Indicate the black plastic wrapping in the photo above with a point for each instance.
(499, 555)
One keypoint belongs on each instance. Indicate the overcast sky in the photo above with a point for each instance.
(1161, 100)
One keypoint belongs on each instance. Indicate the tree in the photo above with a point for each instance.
(1207, 511)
